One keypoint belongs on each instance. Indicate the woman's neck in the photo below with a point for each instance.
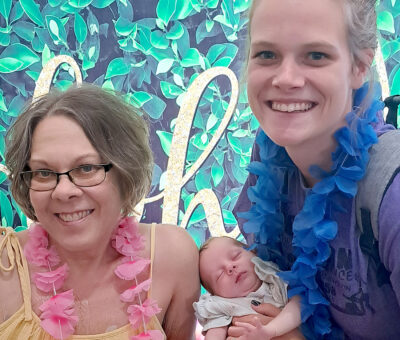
(307, 154)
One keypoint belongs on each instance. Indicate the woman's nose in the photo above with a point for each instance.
(289, 75)
(65, 189)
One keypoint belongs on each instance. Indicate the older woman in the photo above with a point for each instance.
(307, 64)
(79, 163)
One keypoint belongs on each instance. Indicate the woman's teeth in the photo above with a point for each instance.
(70, 217)
(291, 107)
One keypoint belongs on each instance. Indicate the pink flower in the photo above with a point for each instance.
(149, 335)
(127, 240)
(57, 316)
(144, 312)
(45, 281)
(129, 294)
(36, 250)
(129, 270)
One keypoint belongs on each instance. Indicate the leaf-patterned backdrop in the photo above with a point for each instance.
(153, 51)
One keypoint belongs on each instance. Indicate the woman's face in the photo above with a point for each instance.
(227, 269)
(300, 72)
(76, 218)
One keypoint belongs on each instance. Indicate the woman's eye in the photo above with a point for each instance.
(265, 55)
(42, 173)
(86, 168)
(317, 55)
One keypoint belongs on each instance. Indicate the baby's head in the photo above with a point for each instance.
(226, 269)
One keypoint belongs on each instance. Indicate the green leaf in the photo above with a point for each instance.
(165, 140)
(32, 10)
(17, 57)
(192, 58)
(80, 28)
(229, 218)
(56, 29)
(117, 67)
(217, 173)
(164, 65)
(102, 3)
(175, 32)
(158, 40)
(165, 10)
(79, 3)
(6, 210)
(385, 21)
(5, 9)
(169, 90)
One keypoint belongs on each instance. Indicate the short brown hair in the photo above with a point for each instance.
(114, 128)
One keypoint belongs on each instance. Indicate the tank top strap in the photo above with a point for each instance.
(16, 257)
(152, 249)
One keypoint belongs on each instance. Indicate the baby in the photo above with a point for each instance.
(234, 277)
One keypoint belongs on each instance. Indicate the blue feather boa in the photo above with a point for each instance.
(313, 228)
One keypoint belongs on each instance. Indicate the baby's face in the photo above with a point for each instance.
(226, 268)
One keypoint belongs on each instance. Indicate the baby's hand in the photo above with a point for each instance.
(256, 331)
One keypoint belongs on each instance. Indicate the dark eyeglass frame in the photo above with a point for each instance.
(106, 167)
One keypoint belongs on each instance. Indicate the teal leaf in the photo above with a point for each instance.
(385, 21)
(79, 3)
(5, 39)
(164, 65)
(229, 218)
(169, 90)
(117, 67)
(124, 27)
(5, 9)
(175, 32)
(55, 3)
(192, 58)
(234, 142)
(395, 87)
(212, 3)
(6, 210)
(202, 180)
(214, 52)
(2, 103)
(225, 61)
(56, 29)
(102, 3)
(17, 12)
(24, 29)
(197, 215)
(209, 25)
(217, 173)
(211, 121)
(17, 57)
(32, 10)
(165, 10)
(165, 140)
(139, 98)
(183, 9)
(158, 40)
(155, 107)
(80, 28)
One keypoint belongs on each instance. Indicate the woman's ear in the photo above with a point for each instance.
(361, 67)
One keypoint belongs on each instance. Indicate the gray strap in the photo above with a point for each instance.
(383, 165)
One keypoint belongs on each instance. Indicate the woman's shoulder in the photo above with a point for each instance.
(10, 285)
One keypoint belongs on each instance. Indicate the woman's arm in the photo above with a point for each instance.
(178, 266)
(266, 313)
(216, 333)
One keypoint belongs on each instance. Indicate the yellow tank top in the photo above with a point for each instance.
(25, 324)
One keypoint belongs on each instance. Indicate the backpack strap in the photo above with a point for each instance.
(383, 166)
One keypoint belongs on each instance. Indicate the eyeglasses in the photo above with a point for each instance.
(87, 175)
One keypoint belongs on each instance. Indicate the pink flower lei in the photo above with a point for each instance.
(58, 316)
